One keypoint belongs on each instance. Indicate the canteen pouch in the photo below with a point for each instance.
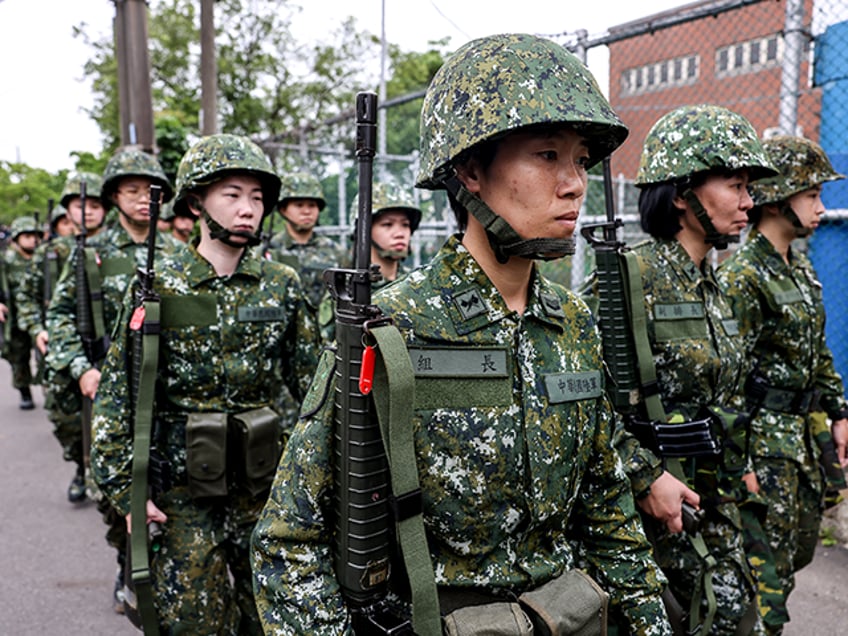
(258, 435)
(206, 454)
(572, 604)
(491, 619)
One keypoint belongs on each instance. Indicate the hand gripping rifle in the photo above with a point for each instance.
(372, 460)
(634, 392)
(144, 342)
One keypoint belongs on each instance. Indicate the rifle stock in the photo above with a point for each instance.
(360, 472)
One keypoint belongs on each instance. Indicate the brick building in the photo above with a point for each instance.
(732, 58)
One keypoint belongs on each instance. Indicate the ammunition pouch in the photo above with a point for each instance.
(717, 433)
(573, 604)
(224, 452)
(792, 401)
(258, 445)
(206, 454)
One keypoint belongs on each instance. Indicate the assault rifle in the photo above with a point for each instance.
(361, 471)
(85, 323)
(144, 341)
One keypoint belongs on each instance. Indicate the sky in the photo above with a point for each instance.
(44, 94)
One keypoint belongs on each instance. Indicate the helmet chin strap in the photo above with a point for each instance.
(132, 221)
(504, 240)
(712, 235)
(220, 233)
(786, 210)
(392, 255)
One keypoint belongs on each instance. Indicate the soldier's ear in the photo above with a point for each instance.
(194, 205)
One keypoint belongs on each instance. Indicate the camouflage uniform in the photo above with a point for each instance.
(558, 483)
(781, 316)
(542, 434)
(699, 362)
(703, 368)
(17, 345)
(257, 337)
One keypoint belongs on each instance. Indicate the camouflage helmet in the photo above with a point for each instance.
(166, 212)
(132, 162)
(214, 156)
(93, 185)
(23, 225)
(693, 139)
(501, 83)
(387, 197)
(802, 164)
(58, 212)
(301, 185)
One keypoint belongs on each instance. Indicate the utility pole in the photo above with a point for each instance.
(208, 69)
(136, 99)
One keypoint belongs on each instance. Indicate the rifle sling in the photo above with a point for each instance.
(143, 427)
(656, 412)
(394, 386)
(95, 293)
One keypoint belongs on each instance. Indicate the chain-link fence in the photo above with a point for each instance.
(783, 64)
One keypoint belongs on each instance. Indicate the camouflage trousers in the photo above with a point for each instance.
(18, 351)
(794, 498)
(202, 582)
(64, 406)
(770, 598)
(732, 579)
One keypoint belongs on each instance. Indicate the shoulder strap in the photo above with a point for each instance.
(394, 386)
(95, 292)
(143, 426)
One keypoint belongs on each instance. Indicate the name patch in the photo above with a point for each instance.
(677, 311)
(459, 362)
(261, 314)
(569, 387)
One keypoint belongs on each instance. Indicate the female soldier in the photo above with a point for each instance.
(777, 299)
(518, 477)
(234, 328)
(695, 166)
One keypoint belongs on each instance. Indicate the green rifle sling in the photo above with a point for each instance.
(143, 427)
(656, 412)
(394, 386)
(95, 293)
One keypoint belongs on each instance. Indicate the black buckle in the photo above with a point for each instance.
(406, 505)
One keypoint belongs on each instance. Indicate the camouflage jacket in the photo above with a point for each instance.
(16, 266)
(695, 344)
(118, 258)
(309, 260)
(782, 317)
(32, 298)
(228, 344)
(540, 431)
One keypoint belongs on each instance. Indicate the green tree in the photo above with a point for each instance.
(24, 190)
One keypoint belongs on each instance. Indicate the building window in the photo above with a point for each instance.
(749, 57)
(679, 71)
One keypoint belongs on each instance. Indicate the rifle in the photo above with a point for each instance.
(634, 392)
(144, 352)
(361, 471)
(85, 324)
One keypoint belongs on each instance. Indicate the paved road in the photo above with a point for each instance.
(56, 570)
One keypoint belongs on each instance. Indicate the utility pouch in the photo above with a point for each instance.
(258, 442)
(206, 461)
(572, 604)
(491, 619)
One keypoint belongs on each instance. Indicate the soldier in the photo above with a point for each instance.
(520, 483)
(777, 299)
(240, 330)
(297, 245)
(182, 225)
(695, 165)
(17, 343)
(110, 261)
(62, 398)
(394, 220)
